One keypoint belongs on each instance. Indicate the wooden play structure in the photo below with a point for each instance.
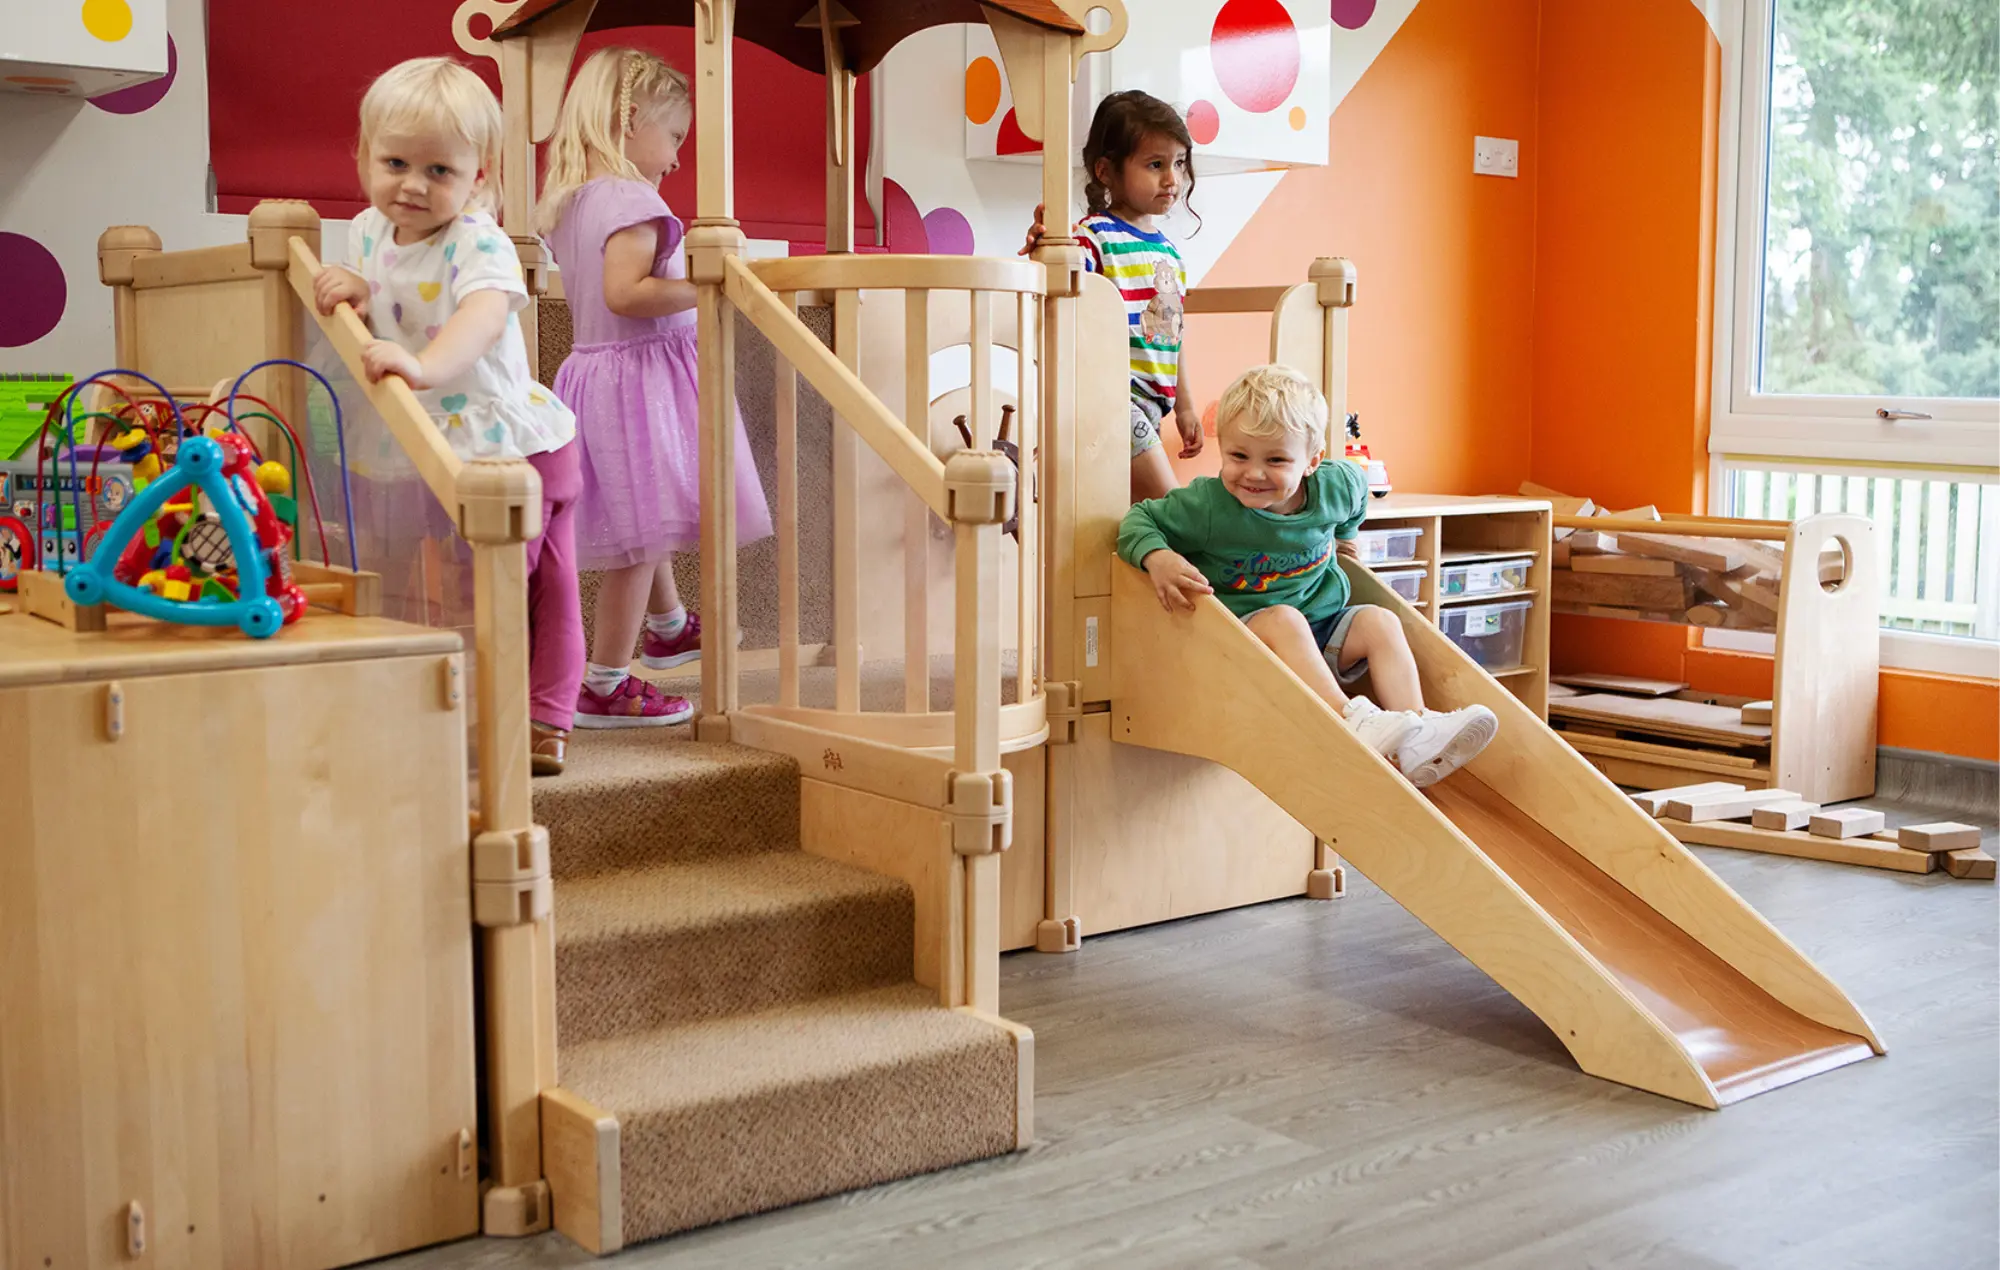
(1010, 728)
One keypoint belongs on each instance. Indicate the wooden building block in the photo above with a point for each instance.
(1588, 540)
(1787, 815)
(1561, 554)
(1631, 566)
(1695, 808)
(1862, 851)
(1648, 512)
(1974, 864)
(1631, 685)
(1846, 822)
(1720, 554)
(1655, 801)
(1756, 712)
(1943, 835)
(1611, 590)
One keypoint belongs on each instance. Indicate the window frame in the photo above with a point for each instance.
(1964, 433)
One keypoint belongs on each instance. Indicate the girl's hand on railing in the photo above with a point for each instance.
(333, 284)
(1177, 583)
(386, 357)
(1035, 231)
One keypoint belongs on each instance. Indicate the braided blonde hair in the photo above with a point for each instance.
(617, 91)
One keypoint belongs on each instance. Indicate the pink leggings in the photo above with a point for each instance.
(555, 609)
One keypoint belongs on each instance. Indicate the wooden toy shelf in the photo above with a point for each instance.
(1811, 584)
(1471, 530)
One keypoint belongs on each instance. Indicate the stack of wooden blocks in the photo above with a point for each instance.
(1665, 577)
(1782, 823)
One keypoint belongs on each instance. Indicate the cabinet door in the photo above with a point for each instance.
(236, 969)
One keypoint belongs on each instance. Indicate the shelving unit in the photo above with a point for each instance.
(1461, 530)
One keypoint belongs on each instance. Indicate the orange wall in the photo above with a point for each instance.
(1439, 350)
(1555, 327)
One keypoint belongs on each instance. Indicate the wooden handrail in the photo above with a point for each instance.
(899, 273)
(1233, 299)
(392, 398)
(1686, 526)
(909, 457)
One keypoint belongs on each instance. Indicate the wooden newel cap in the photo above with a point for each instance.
(1334, 276)
(533, 254)
(979, 487)
(115, 248)
(273, 224)
(499, 501)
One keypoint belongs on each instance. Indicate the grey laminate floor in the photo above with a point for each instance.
(1306, 1084)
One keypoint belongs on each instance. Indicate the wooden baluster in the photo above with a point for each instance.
(847, 517)
(916, 516)
(788, 521)
(980, 415)
(1028, 541)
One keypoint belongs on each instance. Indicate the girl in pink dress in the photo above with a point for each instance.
(630, 376)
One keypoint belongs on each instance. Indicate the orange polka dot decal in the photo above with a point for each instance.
(1297, 118)
(982, 89)
(1255, 50)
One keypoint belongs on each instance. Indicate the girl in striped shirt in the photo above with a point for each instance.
(1138, 164)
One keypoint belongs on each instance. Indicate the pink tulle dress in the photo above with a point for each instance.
(632, 384)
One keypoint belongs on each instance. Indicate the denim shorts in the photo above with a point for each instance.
(1330, 632)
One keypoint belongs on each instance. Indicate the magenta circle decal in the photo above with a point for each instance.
(1353, 14)
(130, 101)
(1255, 50)
(36, 290)
(950, 234)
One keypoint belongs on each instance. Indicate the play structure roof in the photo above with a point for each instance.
(878, 25)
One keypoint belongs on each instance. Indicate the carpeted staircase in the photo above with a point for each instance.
(744, 1010)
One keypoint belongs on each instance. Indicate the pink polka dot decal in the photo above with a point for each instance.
(949, 232)
(130, 101)
(1255, 50)
(1204, 122)
(1353, 14)
(36, 291)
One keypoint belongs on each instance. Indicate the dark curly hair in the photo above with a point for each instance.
(1121, 125)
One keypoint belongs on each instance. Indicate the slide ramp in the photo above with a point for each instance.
(1644, 964)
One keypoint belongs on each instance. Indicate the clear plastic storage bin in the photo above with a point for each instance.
(1378, 546)
(1484, 577)
(1408, 583)
(1490, 634)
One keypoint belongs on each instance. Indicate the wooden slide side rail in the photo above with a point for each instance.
(910, 458)
(392, 398)
(1560, 790)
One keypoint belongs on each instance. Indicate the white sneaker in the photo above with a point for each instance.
(1441, 743)
(1383, 731)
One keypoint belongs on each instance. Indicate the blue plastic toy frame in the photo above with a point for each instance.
(199, 464)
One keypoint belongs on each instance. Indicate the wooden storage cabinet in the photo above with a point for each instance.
(1467, 530)
(235, 947)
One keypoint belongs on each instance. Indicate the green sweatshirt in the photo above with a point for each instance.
(1255, 559)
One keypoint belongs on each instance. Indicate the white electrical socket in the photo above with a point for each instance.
(1496, 156)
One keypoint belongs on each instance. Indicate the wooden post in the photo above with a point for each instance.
(715, 130)
(846, 517)
(499, 510)
(517, 153)
(979, 488)
(839, 135)
(273, 224)
(916, 516)
(1334, 277)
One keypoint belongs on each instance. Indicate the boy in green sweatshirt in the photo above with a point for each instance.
(1262, 539)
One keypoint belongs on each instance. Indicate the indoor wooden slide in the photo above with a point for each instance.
(1645, 965)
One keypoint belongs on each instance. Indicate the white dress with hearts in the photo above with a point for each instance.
(495, 410)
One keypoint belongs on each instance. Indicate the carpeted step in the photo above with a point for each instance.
(738, 1115)
(680, 942)
(641, 796)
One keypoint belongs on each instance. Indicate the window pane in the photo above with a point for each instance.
(1939, 539)
(1882, 233)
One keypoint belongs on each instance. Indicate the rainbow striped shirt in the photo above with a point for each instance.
(1148, 272)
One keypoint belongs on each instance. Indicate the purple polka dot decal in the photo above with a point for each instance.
(950, 234)
(36, 291)
(1353, 14)
(130, 101)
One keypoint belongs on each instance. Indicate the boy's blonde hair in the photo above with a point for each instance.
(1274, 401)
(615, 91)
(437, 95)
